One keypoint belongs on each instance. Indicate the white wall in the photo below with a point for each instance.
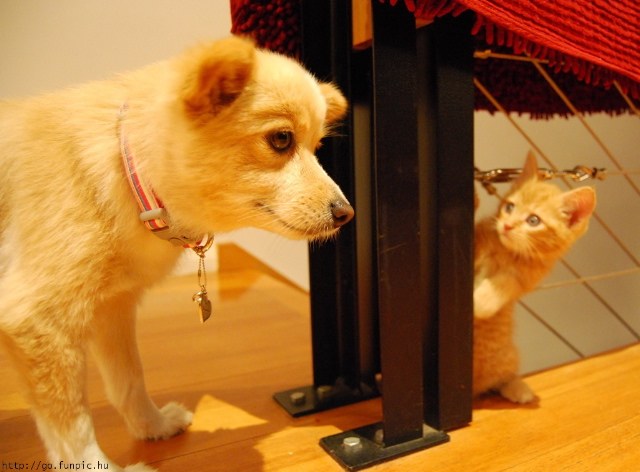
(286, 256)
(45, 45)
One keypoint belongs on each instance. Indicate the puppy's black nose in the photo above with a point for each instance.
(342, 212)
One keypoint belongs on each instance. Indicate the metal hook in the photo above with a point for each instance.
(579, 173)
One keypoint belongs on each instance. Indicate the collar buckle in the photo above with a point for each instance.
(153, 214)
(164, 231)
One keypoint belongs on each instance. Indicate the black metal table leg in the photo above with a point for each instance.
(401, 300)
(448, 49)
(394, 293)
(408, 203)
(343, 322)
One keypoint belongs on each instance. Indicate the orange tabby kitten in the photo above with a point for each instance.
(535, 225)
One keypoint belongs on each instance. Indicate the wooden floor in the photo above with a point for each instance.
(258, 343)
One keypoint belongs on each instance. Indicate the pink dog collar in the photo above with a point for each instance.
(152, 211)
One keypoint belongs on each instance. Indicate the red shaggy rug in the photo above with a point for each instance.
(589, 45)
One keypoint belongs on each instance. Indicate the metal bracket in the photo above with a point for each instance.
(364, 447)
(306, 400)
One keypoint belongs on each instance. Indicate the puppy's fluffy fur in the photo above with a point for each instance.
(225, 134)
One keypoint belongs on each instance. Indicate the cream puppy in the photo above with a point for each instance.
(219, 138)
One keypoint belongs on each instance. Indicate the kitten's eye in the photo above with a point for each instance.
(281, 141)
(509, 206)
(533, 220)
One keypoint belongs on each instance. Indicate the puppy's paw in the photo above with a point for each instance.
(175, 418)
(164, 423)
(517, 391)
(139, 467)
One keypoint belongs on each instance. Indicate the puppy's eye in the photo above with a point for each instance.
(509, 206)
(533, 220)
(281, 141)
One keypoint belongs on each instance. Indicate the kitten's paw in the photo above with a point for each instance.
(139, 467)
(517, 391)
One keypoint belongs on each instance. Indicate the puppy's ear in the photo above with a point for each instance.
(336, 103)
(216, 74)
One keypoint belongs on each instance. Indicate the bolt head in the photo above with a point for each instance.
(298, 398)
(352, 443)
(324, 392)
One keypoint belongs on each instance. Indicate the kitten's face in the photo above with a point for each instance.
(532, 221)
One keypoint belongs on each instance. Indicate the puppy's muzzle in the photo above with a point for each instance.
(341, 212)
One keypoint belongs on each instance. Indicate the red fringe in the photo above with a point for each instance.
(559, 62)
(273, 24)
(585, 71)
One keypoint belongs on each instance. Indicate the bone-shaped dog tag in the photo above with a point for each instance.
(204, 305)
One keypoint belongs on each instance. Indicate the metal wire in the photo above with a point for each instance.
(580, 117)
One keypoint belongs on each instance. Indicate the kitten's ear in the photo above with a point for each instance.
(215, 74)
(529, 171)
(336, 103)
(578, 205)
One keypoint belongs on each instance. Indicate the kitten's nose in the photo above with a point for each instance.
(507, 227)
(342, 212)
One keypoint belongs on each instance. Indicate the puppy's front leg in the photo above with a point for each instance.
(113, 343)
(50, 358)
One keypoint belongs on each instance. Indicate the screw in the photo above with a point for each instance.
(324, 392)
(378, 436)
(352, 443)
(298, 398)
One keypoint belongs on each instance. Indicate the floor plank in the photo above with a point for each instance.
(258, 343)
